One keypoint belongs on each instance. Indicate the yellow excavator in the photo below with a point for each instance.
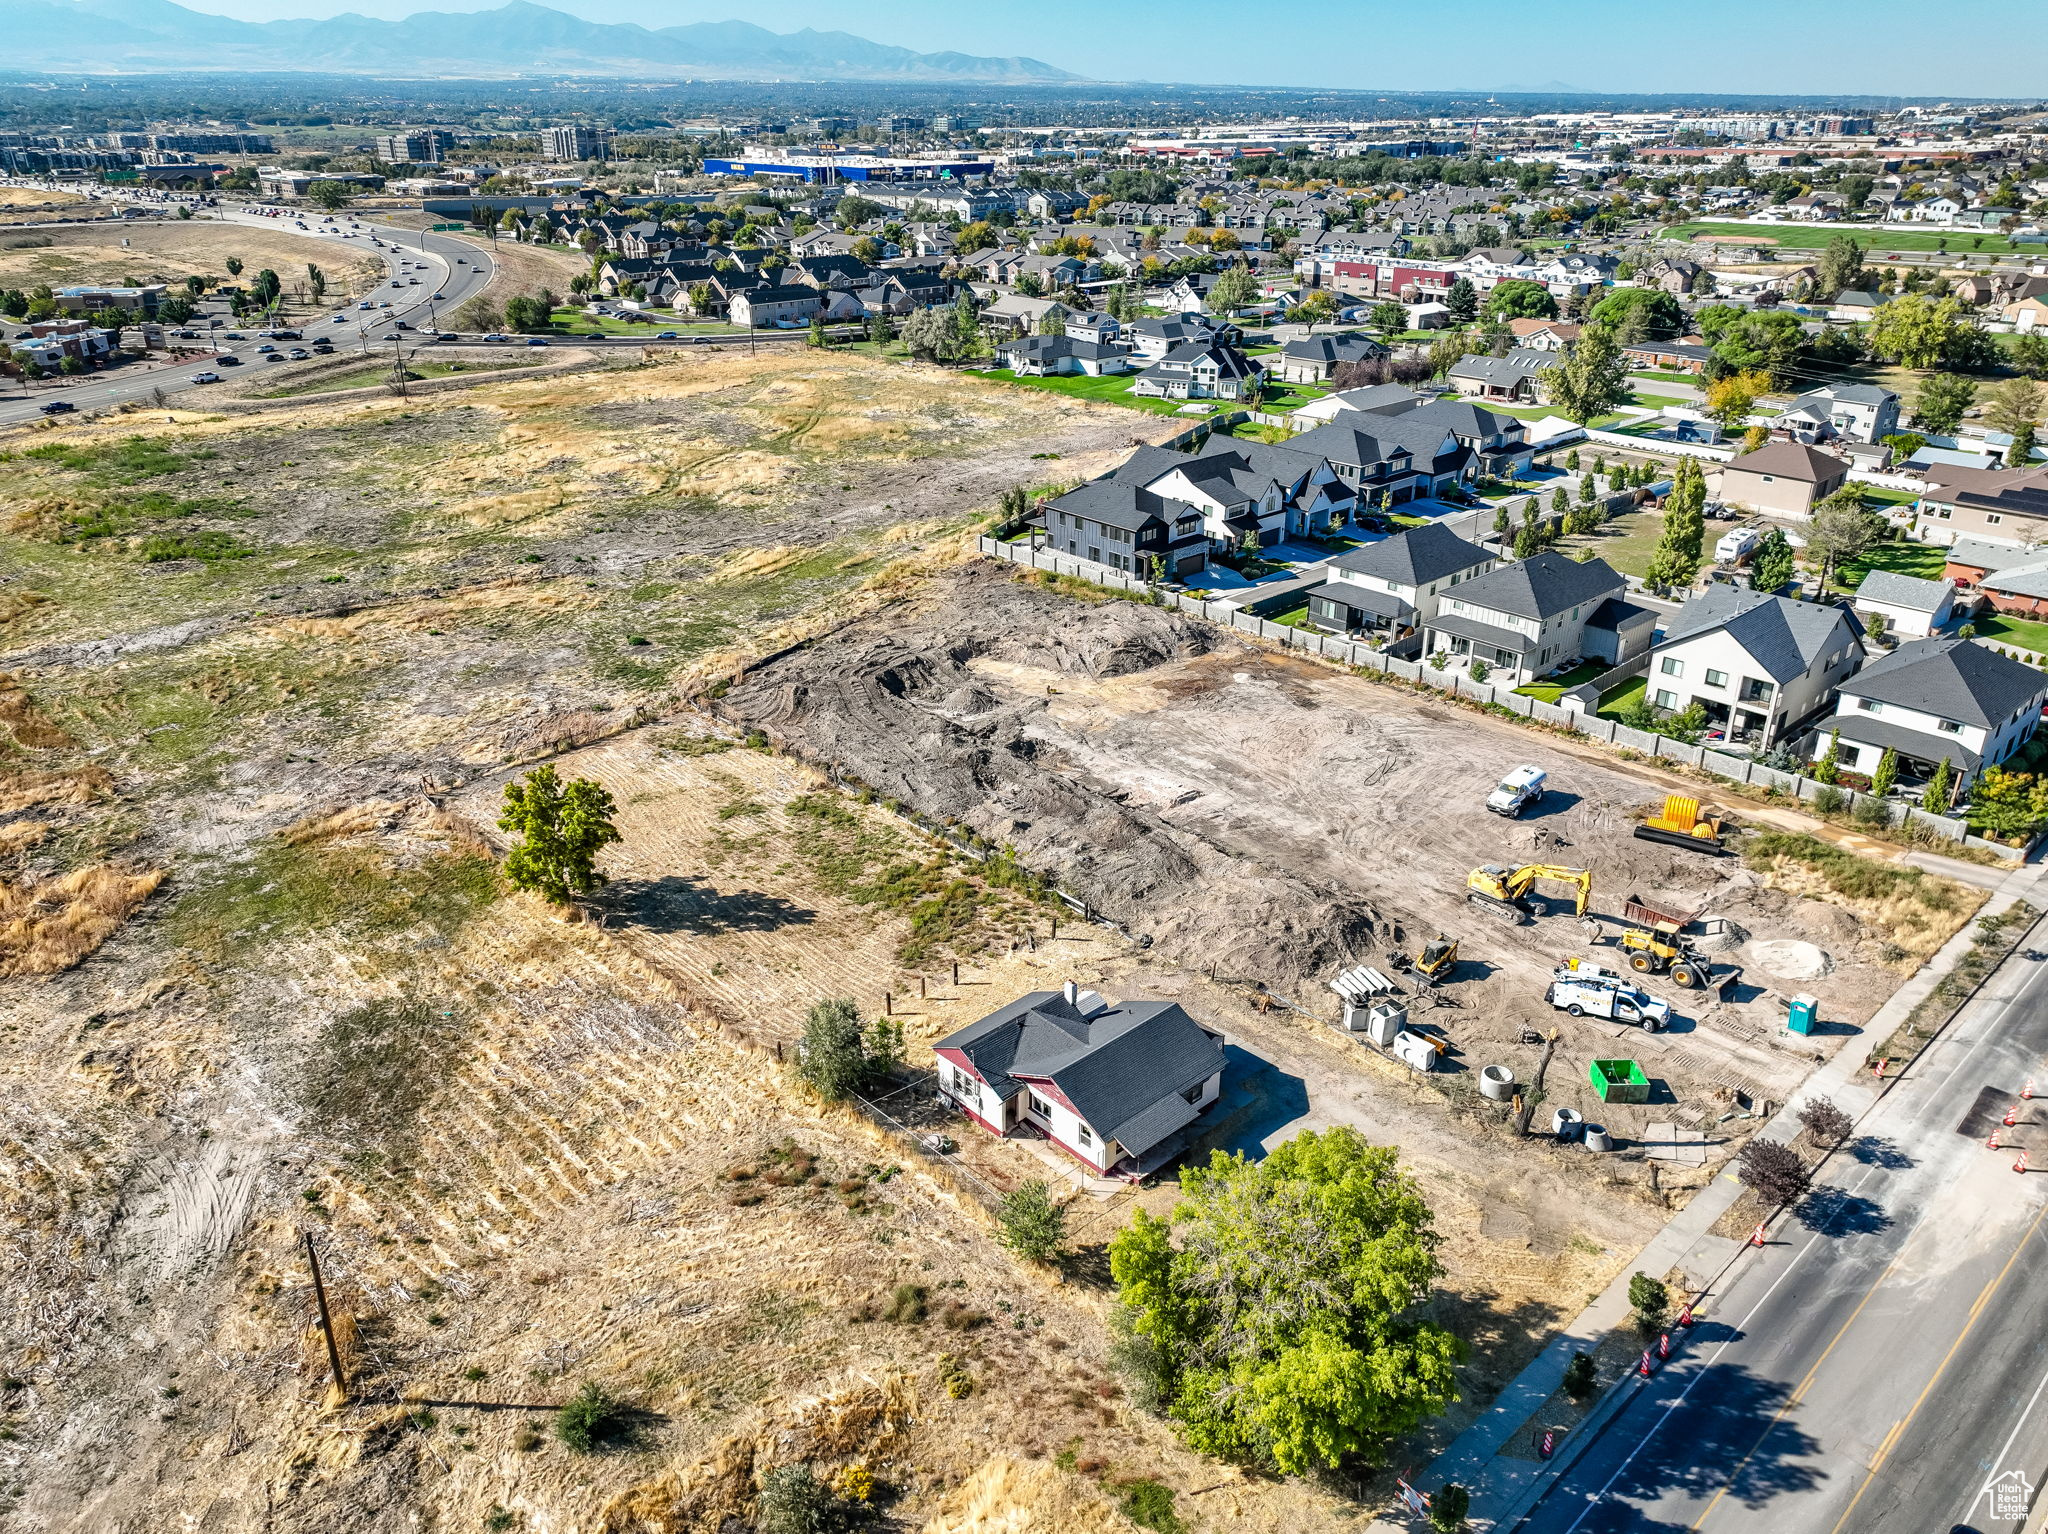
(1505, 891)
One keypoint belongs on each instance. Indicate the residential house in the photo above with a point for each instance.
(1199, 370)
(1392, 587)
(1969, 560)
(1517, 377)
(2020, 588)
(1852, 306)
(1544, 335)
(2008, 506)
(1188, 294)
(1675, 277)
(1037, 356)
(1127, 527)
(1247, 489)
(1021, 316)
(1759, 666)
(1153, 338)
(1119, 1087)
(1667, 356)
(1388, 458)
(1387, 399)
(1855, 412)
(1499, 444)
(1787, 479)
(1533, 616)
(1934, 700)
(843, 272)
(1313, 358)
(1911, 607)
(771, 306)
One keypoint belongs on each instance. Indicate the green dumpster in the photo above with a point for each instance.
(1619, 1081)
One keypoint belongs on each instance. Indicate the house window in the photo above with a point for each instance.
(1716, 678)
(1869, 705)
(1948, 727)
(1086, 1136)
(1754, 691)
(1039, 1107)
(1194, 1093)
(1672, 666)
(963, 1085)
(1848, 755)
(1992, 519)
(1666, 698)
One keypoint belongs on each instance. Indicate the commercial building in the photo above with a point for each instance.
(211, 143)
(831, 169)
(575, 141)
(414, 146)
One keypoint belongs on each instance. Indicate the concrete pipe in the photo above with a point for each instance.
(1497, 1083)
(1564, 1123)
(1597, 1138)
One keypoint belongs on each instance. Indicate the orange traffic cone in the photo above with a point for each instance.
(1994, 1140)
(2021, 1164)
(2012, 1116)
(1756, 1237)
(1644, 1367)
(2027, 1091)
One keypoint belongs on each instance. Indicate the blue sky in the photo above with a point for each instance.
(1879, 47)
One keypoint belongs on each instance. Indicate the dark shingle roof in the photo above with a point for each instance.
(1952, 678)
(1875, 730)
(1792, 460)
(1781, 635)
(1337, 346)
(1542, 586)
(1414, 557)
(1463, 419)
(1118, 1067)
(1127, 506)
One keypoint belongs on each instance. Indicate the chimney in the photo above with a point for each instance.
(1073, 994)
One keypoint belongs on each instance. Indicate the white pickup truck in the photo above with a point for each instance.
(1587, 991)
(1517, 792)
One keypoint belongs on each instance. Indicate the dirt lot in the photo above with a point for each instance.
(132, 254)
(1258, 816)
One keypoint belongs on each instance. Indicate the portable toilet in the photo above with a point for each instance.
(1802, 1013)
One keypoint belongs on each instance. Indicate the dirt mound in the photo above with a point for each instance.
(896, 703)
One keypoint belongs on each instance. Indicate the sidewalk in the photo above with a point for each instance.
(1504, 1489)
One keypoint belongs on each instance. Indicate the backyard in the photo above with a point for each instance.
(1873, 236)
(1110, 391)
(2013, 631)
(1627, 542)
(1556, 687)
(1922, 561)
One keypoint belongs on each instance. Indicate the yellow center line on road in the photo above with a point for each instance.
(1899, 1428)
(1798, 1393)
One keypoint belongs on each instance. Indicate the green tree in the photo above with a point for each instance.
(1842, 528)
(1904, 444)
(1732, 398)
(1286, 1316)
(1518, 298)
(1941, 788)
(2029, 353)
(1655, 313)
(1235, 288)
(1829, 767)
(838, 1056)
(817, 336)
(1886, 773)
(1677, 558)
(266, 286)
(1914, 330)
(1501, 523)
(1770, 341)
(1030, 1223)
(1589, 491)
(1841, 266)
(1560, 503)
(317, 281)
(234, 266)
(2009, 804)
(1939, 403)
(561, 828)
(1318, 308)
(1592, 380)
(13, 303)
(867, 248)
(329, 194)
(931, 336)
(1462, 300)
(1388, 318)
(1650, 1299)
(2015, 407)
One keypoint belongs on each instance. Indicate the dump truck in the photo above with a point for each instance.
(1505, 891)
(1520, 790)
(1586, 990)
(1682, 825)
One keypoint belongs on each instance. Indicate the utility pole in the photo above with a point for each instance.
(326, 1320)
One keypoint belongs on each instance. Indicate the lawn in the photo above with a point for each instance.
(576, 323)
(1285, 397)
(1923, 561)
(1652, 375)
(1296, 618)
(1876, 237)
(1658, 401)
(1110, 391)
(1538, 412)
(1613, 704)
(1557, 687)
(2014, 631)
(1627, 542)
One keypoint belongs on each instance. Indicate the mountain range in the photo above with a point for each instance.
(517, 39)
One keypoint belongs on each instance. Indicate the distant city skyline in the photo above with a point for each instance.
(1965, 48)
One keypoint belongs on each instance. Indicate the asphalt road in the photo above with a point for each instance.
(434, 261)
(1882, 1368)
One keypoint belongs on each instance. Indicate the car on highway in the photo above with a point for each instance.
(412, 282)
(536, 340)
(298, 354)
(447, 335)
(265, 347)
(365, 304)
(496, 338)
(400, 325)
(227, 360)
(59, 407)
(323, 348)
(206, 377)
(275, 357)
(342, 319)
(439, 296)
(386, 304)
(233, 335)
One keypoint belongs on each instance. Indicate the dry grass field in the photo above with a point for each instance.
(132, 254)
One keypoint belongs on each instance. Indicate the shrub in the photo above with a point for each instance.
(954, 1376)
(1579, 1376)
(1031, 1224)
(1447, 1509)
(592, 1419)
(1829, 800)
(907, 1305)
(1149, 1504)
(794, 1501)
(1773, 1171)
(1649, 1299)
(1826, 1123)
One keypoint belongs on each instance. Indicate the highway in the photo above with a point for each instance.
(1882, 1366)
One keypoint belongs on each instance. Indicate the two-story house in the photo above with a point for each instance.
(1785, 478)
(1389, 457)
(1392, 587)
(774, 306)
(1117, 1087)
(1313, 358)
(1129, 528)
(1532, 616)
(1246, 489)
(1935, 700)
(1499, 444)
(1199, 370)
(1850, 411)
(1518, 376)
(1155, 336)
(1759, 666)
(2002, 506)
(1059, 356)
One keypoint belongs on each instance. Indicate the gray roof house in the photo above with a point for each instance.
(1198, 370)
(1517, 376)
(1246, 488)
(1040, 356)
(1313, 358)
(1127, 527)
(1852, 412)
(1911, 607)
(1117, 1087)
(1405, 454)
(1395, 585)
(1532, 616)
(1935, 699)
(1759, 666)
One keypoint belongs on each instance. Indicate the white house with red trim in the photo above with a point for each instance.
(1118, 1088)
